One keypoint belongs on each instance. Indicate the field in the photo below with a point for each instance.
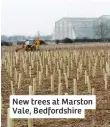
(53, 70)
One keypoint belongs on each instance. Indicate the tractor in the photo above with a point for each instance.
(33, 47)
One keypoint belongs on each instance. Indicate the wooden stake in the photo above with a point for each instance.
(19, 81)
(12, 88)
(30, 121)
(34, 85)
(93, 91)
(85, 77)
(60, 89)
(105, 79)
(40, 77)
(52, 83)
(89, 85)
(10, 122)
(46, 70)
(74, 87)
(30, 71)
(66, 80)
(59, 71)
(10, 71)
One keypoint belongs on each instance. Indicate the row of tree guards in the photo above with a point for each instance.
(87, 81)
(16, 74)
(56, 66)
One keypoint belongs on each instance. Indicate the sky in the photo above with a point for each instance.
(27, 17)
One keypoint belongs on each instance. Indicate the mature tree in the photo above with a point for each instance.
(102, 30)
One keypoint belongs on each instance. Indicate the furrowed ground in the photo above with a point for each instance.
(88, 64)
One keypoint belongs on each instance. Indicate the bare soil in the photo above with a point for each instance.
(98, 118)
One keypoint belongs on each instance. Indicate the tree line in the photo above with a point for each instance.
(101, 31)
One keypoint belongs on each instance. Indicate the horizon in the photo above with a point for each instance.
(24, 35)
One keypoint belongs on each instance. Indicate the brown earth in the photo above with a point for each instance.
(99, 118)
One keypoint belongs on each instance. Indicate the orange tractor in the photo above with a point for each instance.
(33, 47)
